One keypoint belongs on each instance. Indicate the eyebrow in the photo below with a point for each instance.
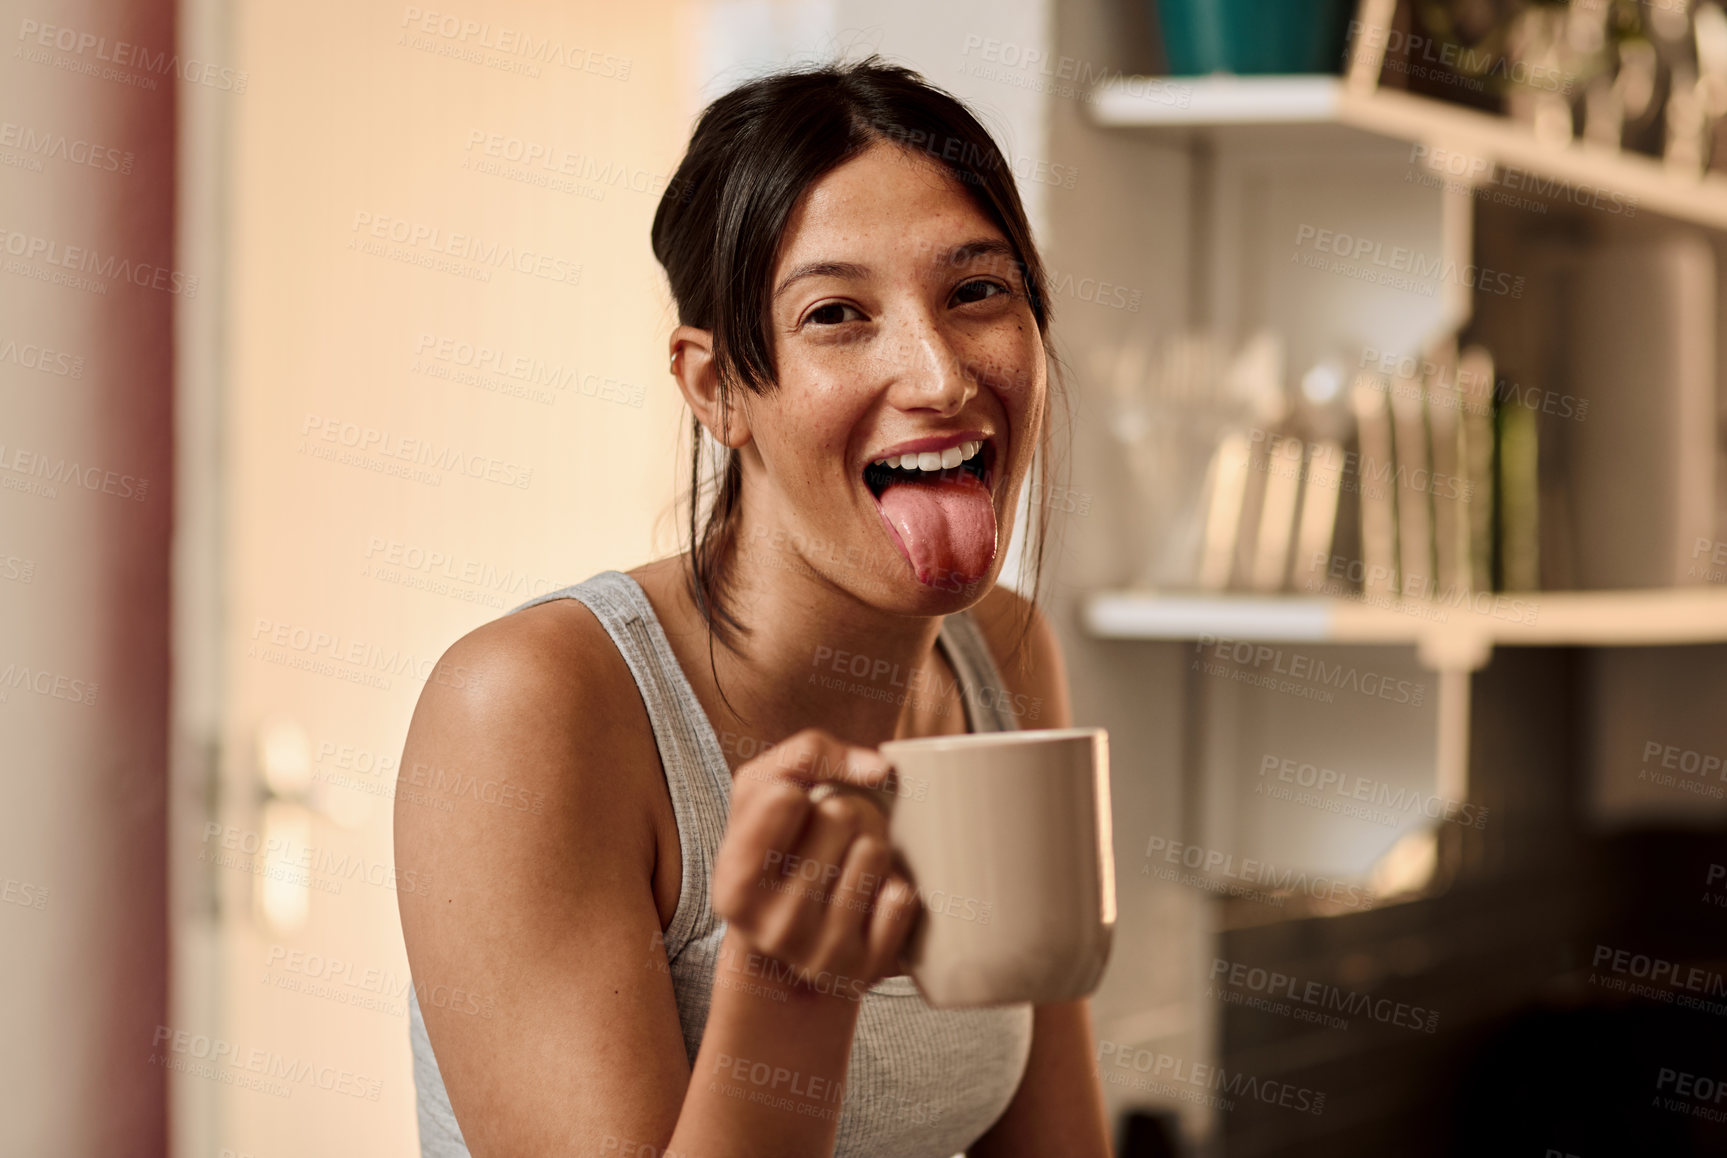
(851, 271)
(982, 247)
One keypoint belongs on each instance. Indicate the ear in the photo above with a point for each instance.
(692, 364)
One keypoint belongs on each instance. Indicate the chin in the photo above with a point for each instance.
(905, 594)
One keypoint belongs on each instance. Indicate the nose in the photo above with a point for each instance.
(930, 372)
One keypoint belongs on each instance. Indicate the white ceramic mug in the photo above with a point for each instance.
(1006, 837)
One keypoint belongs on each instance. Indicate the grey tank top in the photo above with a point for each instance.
(922, 1082)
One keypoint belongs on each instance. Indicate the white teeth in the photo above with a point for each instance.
(931, 459)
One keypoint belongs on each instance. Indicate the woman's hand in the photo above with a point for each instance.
(805, 879)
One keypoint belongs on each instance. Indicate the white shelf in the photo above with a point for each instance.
(1193, 102)
(1682, 615)
(1224, 103)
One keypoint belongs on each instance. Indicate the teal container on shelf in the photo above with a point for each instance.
(1254, 36)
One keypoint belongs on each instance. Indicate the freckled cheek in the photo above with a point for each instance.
(1021, 389)
(1026, 410)
(1012, 361)
(812, 438)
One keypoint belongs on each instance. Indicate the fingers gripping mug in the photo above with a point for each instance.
(1006, 837)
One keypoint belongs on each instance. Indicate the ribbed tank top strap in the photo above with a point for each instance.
(697, 776)
(986, 699)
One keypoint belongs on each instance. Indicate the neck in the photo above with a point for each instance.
(816, 654)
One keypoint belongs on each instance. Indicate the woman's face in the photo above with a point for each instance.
(901, 326)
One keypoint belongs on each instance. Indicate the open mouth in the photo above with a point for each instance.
(980, 465)
(938, 508)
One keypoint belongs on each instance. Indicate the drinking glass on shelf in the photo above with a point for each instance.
(1708, 93)
(1556, 54)
(1184, 412)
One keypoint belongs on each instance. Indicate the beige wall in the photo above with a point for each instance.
(442, 390)
(86, 166)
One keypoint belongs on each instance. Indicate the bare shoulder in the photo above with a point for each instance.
(1027, 652)
(522, 804)
(526, 691)
(521, 749)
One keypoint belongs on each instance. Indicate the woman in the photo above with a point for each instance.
(641, 963)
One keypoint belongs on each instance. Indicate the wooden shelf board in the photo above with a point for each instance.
(1209, 101)
(1585, 170)
(1681, 615)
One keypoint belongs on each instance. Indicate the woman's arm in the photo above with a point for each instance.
(1059, 1107)
(547, 917)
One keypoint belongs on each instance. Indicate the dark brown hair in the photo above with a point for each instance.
(718, 229)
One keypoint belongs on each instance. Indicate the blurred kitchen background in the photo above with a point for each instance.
(1391, 538)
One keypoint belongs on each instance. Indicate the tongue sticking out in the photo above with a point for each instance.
(945, 529)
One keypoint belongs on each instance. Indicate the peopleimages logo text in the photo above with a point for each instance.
(72, 150)
(84, 259)
(1322, 995)
(515, 42)
(1214, 862)
(161, 62)
(1312, 671)
(433, 239)
(1399, 259)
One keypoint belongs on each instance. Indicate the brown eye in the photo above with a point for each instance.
(970, 291)
(832, 314)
